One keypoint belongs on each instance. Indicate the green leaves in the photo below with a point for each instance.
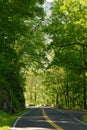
(19, 45)
(69, 36)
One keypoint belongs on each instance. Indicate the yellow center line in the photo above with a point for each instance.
(50, 121)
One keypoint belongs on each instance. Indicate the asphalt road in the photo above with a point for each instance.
(49, 119)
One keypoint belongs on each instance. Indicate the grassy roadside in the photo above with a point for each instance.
(84, 118)
(7, 120)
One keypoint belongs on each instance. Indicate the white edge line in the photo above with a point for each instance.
(13, 128)
(80, 121)
(74, 118)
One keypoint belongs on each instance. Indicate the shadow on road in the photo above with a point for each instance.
(33, 120)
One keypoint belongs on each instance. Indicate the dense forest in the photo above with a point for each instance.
(43, 53)
(19, 43)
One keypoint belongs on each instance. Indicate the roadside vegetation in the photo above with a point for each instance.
(6, 120)
(84, 118)
(19, 48)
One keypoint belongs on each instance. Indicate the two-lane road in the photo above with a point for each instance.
(49, 119)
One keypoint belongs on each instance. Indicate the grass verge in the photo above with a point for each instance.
(84, 118)
(6, 120)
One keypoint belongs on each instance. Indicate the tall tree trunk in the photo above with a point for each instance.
(35, 97)
(84, 87)
(57, 100)
(84, 76)
(67, 95)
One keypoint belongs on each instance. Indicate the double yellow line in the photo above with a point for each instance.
(50, 121)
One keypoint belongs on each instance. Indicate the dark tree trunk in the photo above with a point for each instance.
(57, 100)
(84, 76)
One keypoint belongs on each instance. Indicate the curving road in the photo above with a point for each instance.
(49, 119)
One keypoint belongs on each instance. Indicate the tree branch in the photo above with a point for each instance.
(72, 44)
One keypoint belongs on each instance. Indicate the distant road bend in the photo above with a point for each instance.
(49, 119)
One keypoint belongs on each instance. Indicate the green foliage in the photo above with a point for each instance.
(84, 118)
(17, 20)
(54, 83)
(57, 55)
(68, 33)
(35, 91)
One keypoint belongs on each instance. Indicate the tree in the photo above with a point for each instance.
(14, 36)
(54, 83)
(67, 29)
(35, 91)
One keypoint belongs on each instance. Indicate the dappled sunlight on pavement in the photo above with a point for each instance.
(32, 120)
